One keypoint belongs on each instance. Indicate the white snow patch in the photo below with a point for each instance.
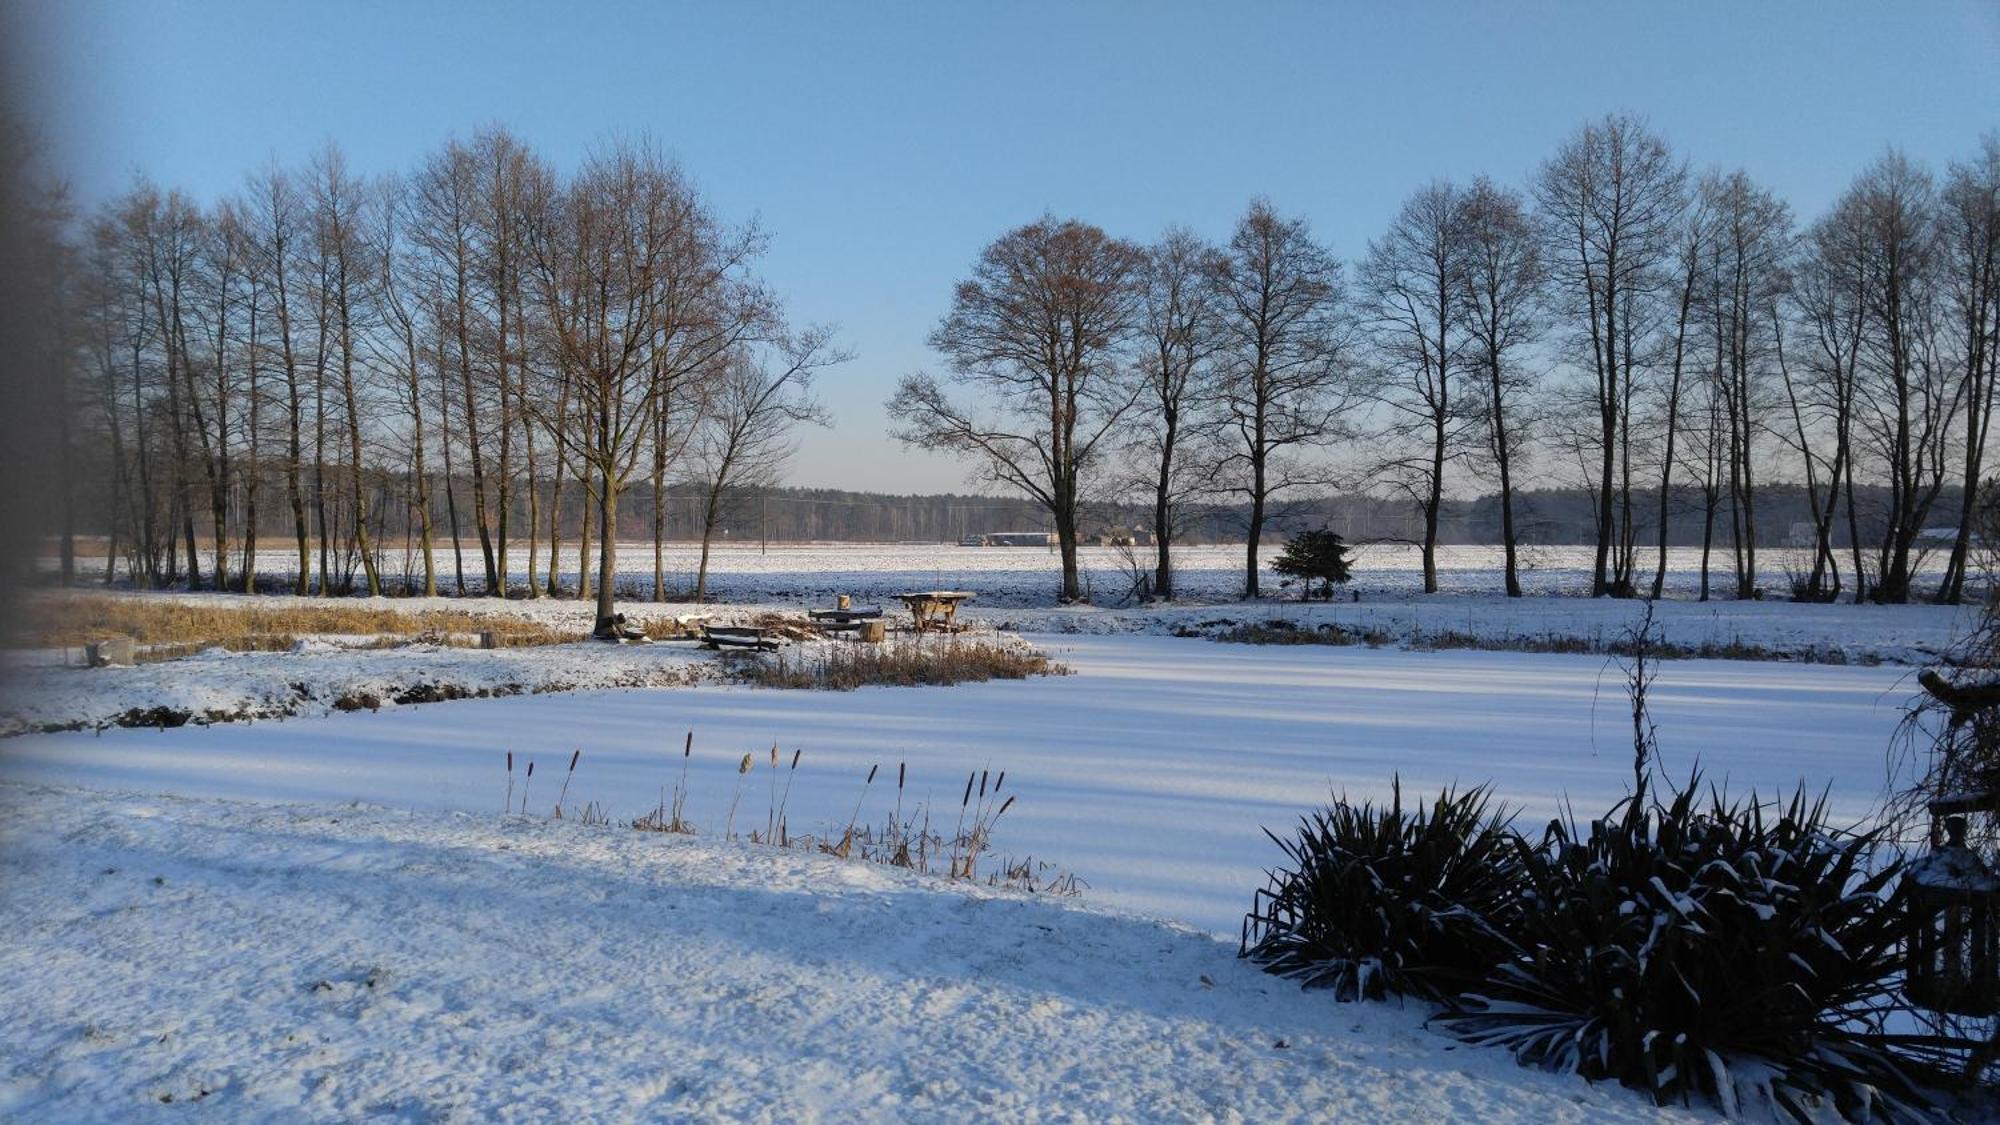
(331, 963)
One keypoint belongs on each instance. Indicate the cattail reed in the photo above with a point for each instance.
(508, 804)
(958, 834)
(786, 799)
(902, 771)
(771, 801)
(564, 795)
(680, 790)
(529, 780)
(742, 768)
(847, 837)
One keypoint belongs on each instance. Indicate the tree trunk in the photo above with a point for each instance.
(450, 482)
(1163, 531)
(1250, 589)
(711, 515)
(607, 550)
(252, 470)
(583, 539)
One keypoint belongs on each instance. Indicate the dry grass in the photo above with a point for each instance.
(1279, 631)
(170, 626)
(904, 662)
(907, 838)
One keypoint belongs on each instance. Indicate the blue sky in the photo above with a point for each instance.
(883, 144)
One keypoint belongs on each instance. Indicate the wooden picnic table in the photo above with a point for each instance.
(935, 610)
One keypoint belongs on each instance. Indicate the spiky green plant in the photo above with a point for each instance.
(1375, 900)
(1734, 952)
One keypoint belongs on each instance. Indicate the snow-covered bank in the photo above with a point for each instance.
(1840, 634)
(40, 693)
(331, 963)
(1150, 773)
(48, 690)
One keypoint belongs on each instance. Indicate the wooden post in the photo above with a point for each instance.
(874, 631)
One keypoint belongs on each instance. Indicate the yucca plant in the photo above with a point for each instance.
(1737, 952)
(1381, 900)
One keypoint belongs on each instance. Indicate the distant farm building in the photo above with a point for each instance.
(1123, 537)
(1009, 539)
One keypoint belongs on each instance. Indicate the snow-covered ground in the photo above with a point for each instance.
(1150, 773)
(257, 962)
(327, 915)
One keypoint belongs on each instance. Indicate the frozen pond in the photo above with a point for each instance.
(1151, 773)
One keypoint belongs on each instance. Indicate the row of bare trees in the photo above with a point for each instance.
(445, 358)
(1623, 323)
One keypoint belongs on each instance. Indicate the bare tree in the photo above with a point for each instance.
(111, 331)
(1037, 333)
(1181, 316)
(509, 181)
(402, 305)
(167, 231)
(448, 193)
(1285, 385)
(1609, 199)
(1746, 276)
(339, 215)
(751, 409)
(275, 208)
(1831, 298)
(1908, 396)
(1692, 251)
(220, 282)
(1971, 236)
(1415, 284)
(642, 289)
(1502, 276)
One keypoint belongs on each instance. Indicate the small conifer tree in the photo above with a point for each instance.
(1317, 559)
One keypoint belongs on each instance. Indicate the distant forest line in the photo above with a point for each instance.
(1549, 516)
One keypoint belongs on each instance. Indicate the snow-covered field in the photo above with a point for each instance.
(287, 963)
(1025, 576)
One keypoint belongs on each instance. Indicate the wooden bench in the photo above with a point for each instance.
(738, 637)
(843, 620)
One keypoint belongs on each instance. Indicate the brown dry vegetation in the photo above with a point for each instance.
(903, 663)
(169, 625)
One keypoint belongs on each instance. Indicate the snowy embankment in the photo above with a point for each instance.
(331, 963)
(1753, 630)
(41, 692)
